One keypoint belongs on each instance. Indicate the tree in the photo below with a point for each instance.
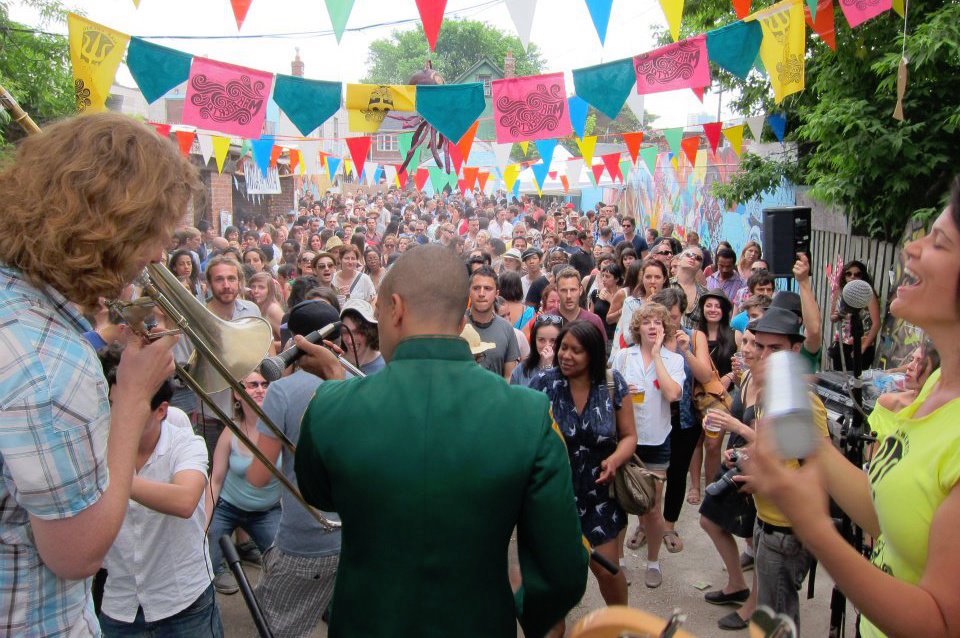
(35, 69)
(461, 44)
(849, 149)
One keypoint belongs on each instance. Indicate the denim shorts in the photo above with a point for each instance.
(201, 619)
(655, 457)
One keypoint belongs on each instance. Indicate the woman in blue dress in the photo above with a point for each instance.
(598, 426)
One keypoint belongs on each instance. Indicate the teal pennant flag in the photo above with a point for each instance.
(156, 69)
(606, 86)
(735, 46)
(404, 140)
(451, 108)
(308, 103)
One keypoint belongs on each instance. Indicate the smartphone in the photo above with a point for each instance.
(786, 405)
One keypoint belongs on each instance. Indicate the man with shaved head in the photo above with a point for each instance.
(430, 464)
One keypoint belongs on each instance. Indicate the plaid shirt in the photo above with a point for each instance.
(54, 421)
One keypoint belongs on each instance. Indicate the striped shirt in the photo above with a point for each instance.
(54, 421)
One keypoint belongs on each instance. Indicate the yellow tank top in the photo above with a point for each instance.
(916, 465)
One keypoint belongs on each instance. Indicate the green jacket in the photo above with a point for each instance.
(431, 463)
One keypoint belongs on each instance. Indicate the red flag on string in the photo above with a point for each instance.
(359, 147)
(612, 162)
(690, 147)
(431, 14)
(462, 185)
(597, 172)
(482, 178)
(698, 91)
(240, 8)
(163, 130)
(633, 142)
(402, 176)
(713, 131)
(824, 24)
(185, 141)
(466, 142)
(456, 158)
(742, 7)
(420, 178)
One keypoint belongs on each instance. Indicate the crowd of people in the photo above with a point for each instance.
(606, 341)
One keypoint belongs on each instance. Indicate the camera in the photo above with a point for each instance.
(726, 482)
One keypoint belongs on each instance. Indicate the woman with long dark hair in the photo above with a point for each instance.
(598, 427)
(543, 342)
(182, 266)
(871, 321)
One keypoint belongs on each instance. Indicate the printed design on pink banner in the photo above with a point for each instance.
(861, 5)
(237, 100)
(679, 64)
(539, 111)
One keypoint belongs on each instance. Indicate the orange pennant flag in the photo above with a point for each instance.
(240, 8)
(466, 142)
(742, 7)
(470, 174)
(482, 177)
(294, 159)
(566, 183)
(185, 141)
(823, 25)
(275, 153)
(420, 178)
(633, 142)
(690, 147)
(713, 130)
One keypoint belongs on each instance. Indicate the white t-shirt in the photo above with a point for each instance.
(364, 289)
(652, 417)
(158, 561)
(500, 231)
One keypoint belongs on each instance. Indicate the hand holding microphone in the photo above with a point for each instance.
(313, 357)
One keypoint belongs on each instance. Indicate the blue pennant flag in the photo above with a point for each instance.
(734, 47)
(606, 86)
(333, 163)
(600, 14)
(377, 174)
(156, 69)
(451, 108)
(578, 114)
(540, 171)
(778, 124)
(262, 149)
(545, 148)
(308, 103)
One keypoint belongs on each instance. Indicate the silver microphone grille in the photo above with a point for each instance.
(857, 293)
(272, 368)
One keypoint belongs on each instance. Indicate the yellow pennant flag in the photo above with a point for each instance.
(368, 104)
(734, 135)
(898, 7)
(525, 147)
(673, 11)
(587, 146)
(221, 145)
(347, 166)
(510, 175)
(95, 54)
(782, 49)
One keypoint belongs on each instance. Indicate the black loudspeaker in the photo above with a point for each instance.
(786, 232)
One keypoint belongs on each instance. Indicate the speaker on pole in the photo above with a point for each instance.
(786, 232)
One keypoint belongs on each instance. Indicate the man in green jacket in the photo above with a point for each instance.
(431, 463)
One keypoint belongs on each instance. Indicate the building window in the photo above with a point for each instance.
(387, 143)
(336, 128)
(486, 84)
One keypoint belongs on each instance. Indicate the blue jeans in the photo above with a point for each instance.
(201, 618)
(781, 564)
(262, 527)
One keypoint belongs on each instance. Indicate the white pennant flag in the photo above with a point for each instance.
(635, 103)
(391, 172)
(308, 155)
(369, 168)
(521, 12)
(756, 126)
(206, 146)
(502, 153)
(574, 170)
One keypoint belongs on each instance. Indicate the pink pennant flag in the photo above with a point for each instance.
(226, 98)
(612, 163)
(680, 65)
(859, 11)
(531, 108)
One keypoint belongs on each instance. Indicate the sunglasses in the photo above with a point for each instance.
(853, 273)
(694, 256)
(549, 320)
(253, 385)
(324, 266)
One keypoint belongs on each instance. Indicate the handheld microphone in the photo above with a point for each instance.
(855, 296)
(272, 367)
(786, 404)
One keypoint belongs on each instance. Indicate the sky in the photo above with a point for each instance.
(562, 30)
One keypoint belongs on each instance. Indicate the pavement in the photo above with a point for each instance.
(684, 576)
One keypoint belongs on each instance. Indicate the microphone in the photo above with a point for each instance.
(855, 296)
(272, 367)
(788, 409)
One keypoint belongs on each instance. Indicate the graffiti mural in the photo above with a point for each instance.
(680, 193)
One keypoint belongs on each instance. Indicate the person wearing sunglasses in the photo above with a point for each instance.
(871, 321)
(662, 252)
(631, 236)
(687, 280)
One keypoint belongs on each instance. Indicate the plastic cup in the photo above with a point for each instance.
(711, 427)
(638, 397)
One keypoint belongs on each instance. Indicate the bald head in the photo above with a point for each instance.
(432, 282)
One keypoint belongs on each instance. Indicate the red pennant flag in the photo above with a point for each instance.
(431, 14)
(470, 174)
(456, 158)
(462, 185)
(185, 141)
(420, 178)
(713, 131)
(597, 172)
(466, 142)
(482, 178)
(359, 147)
(294, 160)
(824, 24)
(612, 162)
(552, 174)
(633, 142)
(240, 8)
(566, 184)
(690, 147)
(402, 176)
(163, 130)
(275, 155)
(742, 7)
(698, 91)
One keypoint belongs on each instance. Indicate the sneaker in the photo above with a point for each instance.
(732, 622)
(249, 554)
(653, 578)
(720, 598)
(225, 583)
(746, 561)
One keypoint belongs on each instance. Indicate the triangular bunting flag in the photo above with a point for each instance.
(540, 170)
(778, 124)
(600, 14)
(470, 174)
(633, 141)
(156, 69)
(510, 175)
(566, 183)
(370, 172)
(349, 168)
(206, 147)
(521, 12)
(699, 91)
(649, 155)
(359, 148)
(431, 14)
(262, 149)
(578, 114)
(245, 147)
(673, 12)
(712, 130)
(587, 145)
(598, 173)
(898, 6)
(755, 124)
(95, 54)
(185, 141)
(545, 148)
(812, 9)
(240, 8)
(309, 159)
(690, 147)
(612, 162)
(451, 108)
(456, 158)
(606, 86)
(742, 7)
(404, 140)
(163, 130)
(625, 167)
(339, 11)
(823, 25)
(377, 174)
(294, 155)
(502, 153)
(592, 176)
(525, 147)
(673, 137)
(734, 135)
(783, 46)
(465, 143)
(574, 170)
(333, 163)
(221, 146)
(857, 13)
(420, 178)
(735, 46)
(275, 153)
(482, 178)
(308, 103)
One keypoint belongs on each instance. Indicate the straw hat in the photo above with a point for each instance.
(472, 337)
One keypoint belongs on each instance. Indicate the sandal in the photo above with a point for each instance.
(693, 496)
(638, 539)
(672, 541)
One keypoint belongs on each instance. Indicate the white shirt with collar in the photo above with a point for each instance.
(158, 561)
(502, 231)
(653, 415)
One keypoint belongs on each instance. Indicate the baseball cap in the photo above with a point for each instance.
(311, 315)
(569, 206)
(531, 252)
(361, 307)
